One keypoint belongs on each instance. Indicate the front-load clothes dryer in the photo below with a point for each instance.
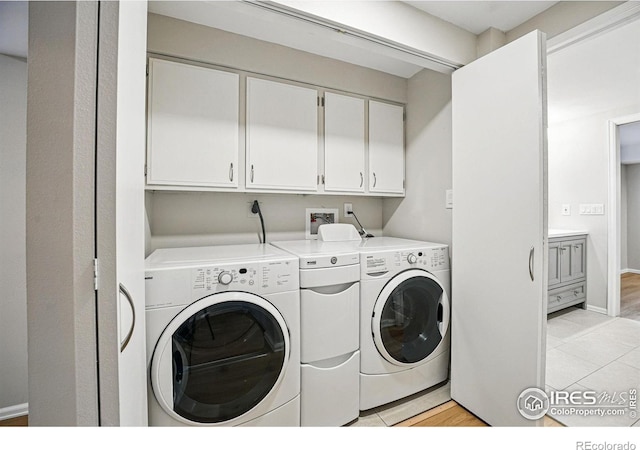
(330, 330)
(404, 318)
(223, 336)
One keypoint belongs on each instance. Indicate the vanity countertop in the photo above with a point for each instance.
(557, 233)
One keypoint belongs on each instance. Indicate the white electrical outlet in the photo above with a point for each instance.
(348, 208)
(566, 210)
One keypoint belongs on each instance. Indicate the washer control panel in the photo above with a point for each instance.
(258, 278)
(381, 263)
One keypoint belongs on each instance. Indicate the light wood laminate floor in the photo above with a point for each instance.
(451, 414)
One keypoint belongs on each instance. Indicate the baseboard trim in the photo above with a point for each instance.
(623, 271)
(597, 309)
(14, 411)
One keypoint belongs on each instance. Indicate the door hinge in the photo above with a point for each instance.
(145, 170)
(321, 101)
(95, 274)
(147, 69)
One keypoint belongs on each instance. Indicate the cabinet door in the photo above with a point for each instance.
(577, 260)
(344, 146)
(565, 262)
(192, 125)
(282, 136)
(386, 148)
(554, 263)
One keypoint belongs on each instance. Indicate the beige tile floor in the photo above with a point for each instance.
(585, 351)
(591, 351)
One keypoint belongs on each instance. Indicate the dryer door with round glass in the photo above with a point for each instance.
(410, 318)
(219, 358)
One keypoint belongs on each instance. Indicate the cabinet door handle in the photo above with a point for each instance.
(231, 172)
(361, 179)
(252, 173)
(531, 256)
(126, 340)
(576, 292)
(576, 247)
(375, 180)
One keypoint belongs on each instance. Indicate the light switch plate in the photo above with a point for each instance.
(592, 209)
(449, 199)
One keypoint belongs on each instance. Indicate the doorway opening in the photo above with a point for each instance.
(624, 247)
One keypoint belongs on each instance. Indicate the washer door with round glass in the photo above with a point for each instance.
(410, 318)
(219, 358)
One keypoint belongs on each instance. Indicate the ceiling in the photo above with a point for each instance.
(478, 16)
(283, 29)
(473, 16)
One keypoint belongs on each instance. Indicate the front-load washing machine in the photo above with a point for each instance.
(223, 336)
(404, 318)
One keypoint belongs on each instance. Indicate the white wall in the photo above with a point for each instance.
(209, 218)
(13, 278)
(199, 218)
(422, 214)
(61, 310)
(589, 83)
(633, 217)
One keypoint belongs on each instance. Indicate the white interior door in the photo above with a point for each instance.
(499, 267)
(130, 143)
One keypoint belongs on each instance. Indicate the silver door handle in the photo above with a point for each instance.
(361, 179)
(375, 180)
(531, 256)
(231, 172)
(124, 343)
(252, 173)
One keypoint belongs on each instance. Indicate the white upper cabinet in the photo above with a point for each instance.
(282, 136)
(344, 143)
(386, 148)
(192, 126)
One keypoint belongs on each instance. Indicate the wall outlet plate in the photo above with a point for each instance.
(314, 217)
(566, 209)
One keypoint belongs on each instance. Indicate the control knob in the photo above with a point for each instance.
(225, 278)
(411, 258)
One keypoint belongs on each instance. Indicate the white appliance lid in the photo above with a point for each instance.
(387, 243)
(217, 254)
(312, 247)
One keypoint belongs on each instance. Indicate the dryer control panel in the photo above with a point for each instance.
(257, 278)
(378, 264)
(185, 285)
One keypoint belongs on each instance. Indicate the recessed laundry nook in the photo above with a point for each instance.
(321, 215)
